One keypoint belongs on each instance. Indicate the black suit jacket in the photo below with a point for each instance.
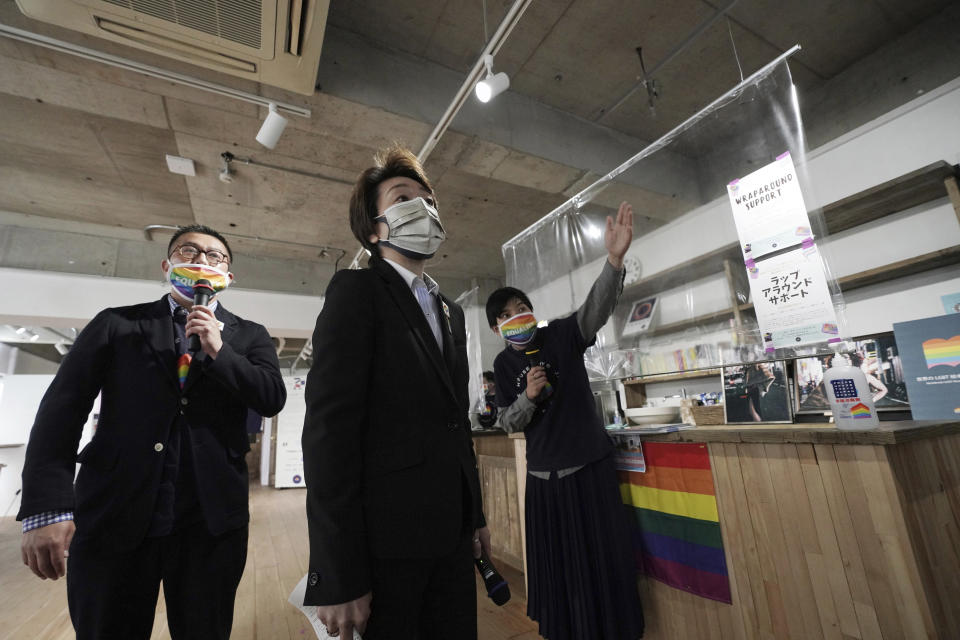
(386, 440)
(127, 353)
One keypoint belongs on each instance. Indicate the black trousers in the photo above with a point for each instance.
(114, 595)
(433, 599)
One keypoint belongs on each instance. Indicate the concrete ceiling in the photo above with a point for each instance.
(84, 144)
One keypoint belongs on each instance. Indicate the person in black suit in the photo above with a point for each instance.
(393, 497)
(161, 495)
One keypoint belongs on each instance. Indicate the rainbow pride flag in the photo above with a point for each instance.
(677, 540)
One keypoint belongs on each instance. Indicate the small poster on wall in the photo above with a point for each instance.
(930, 354)
(951, 303)
(289, 469)
(792, 300)
(641, 316)
(768, 209)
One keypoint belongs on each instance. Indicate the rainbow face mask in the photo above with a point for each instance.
(519, 330)
(183, 276)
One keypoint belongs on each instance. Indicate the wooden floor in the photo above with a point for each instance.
(34, 609)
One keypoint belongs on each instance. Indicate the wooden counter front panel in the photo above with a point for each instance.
(818, 545)
(498, 482)
(927, 477)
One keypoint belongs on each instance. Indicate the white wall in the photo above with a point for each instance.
(8, 358)
(29, 364)
(18, 406)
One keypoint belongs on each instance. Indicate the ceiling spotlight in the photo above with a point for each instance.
(493, 84)
(62, 347)
(272, 128)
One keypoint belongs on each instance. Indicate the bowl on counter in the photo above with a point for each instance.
(652, 415)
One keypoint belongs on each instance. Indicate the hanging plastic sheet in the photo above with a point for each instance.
(475, 321)
(722, 238)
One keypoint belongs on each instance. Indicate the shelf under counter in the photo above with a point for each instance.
(671, 377)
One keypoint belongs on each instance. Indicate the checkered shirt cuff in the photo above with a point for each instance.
(43, 519)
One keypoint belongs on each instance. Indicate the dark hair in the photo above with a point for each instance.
(499, 299)
(488, 376)
(199, 228)
(394, 162)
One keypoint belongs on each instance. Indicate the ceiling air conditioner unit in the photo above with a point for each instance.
(276, 42)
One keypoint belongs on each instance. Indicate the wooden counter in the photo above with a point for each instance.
(498, 483)
(826, 533)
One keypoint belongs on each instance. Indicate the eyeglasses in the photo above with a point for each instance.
(189, 252)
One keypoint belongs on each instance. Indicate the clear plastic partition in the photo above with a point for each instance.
(474, 318)
(724, 267)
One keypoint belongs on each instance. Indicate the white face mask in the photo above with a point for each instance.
(414, 229)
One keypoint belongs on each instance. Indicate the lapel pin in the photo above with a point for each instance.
(446, 312)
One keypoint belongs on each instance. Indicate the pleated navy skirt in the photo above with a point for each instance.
(582, 576)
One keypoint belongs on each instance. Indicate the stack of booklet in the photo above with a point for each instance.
(651, 428)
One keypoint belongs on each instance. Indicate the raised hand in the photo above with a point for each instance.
(619, 235)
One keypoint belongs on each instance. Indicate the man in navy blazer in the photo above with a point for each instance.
(393, 497)
(162, 491)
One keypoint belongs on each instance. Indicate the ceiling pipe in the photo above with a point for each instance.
(323, 250)
(228, 157)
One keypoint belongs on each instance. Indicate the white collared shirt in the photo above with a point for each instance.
(408, 277)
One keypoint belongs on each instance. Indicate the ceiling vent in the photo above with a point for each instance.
(276, 42)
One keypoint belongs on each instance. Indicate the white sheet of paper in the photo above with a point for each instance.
(792, 300)
(289, 465)
(296, 599)
(768, 208)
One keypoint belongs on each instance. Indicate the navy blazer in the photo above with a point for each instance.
(386, 439)
(128, 355)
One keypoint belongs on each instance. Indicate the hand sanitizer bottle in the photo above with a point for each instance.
(849, 395)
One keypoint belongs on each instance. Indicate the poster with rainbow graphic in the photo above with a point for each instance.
(930, 355)
(937, 352)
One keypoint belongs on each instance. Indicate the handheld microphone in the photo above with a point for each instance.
(497, 588)
(533, 359)
(202, 292)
